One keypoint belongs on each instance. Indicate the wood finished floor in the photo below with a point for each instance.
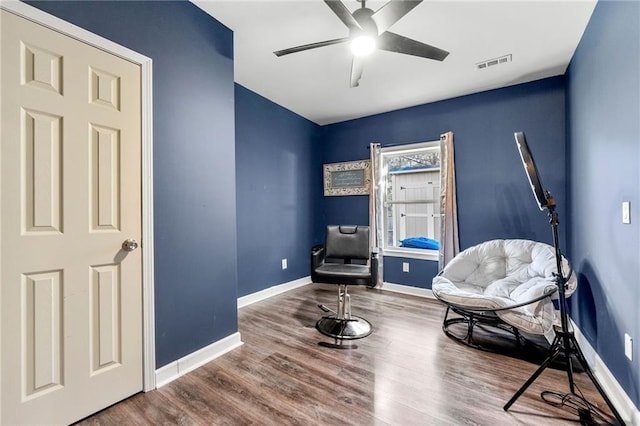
(407, 372)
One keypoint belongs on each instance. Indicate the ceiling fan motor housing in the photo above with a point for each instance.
(367, 24)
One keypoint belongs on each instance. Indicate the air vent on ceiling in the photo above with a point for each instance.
(496, 61)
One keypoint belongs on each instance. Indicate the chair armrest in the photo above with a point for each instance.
(374, 269)
(317, 259)
(317, 256)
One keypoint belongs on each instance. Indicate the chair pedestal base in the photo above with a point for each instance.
(342, 325)
(344, 329)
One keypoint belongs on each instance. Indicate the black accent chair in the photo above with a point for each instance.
(332, 264)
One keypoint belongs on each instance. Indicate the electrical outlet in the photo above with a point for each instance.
(628, 346)
(284, 263)
(626, 212)
(405, 266)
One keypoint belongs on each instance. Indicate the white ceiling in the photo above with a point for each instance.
(541, 36)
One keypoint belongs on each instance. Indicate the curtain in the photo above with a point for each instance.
(449, 242)
(375, 210)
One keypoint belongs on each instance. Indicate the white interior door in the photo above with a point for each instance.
(71, 297)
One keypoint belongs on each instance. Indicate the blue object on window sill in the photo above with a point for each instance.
(420, 242)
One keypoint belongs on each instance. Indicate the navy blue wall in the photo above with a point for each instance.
(603, 104)
(279, 185)
(494, 197)
(194, 162)
(420, 274)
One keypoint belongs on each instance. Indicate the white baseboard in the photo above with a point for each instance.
(272, 291)
(618, 397)
(406, 289)
(188, 363)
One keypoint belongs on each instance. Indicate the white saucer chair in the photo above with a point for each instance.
(508, 284)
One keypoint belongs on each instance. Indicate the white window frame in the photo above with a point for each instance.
(392, 251)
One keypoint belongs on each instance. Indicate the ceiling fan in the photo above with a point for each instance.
(368, 31)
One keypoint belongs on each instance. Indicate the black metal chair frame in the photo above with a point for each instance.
(475, 316)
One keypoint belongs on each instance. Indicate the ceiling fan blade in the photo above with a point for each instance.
(400, 44)
(343, 13)
(357, 66)
(391, 13)
(310, 46)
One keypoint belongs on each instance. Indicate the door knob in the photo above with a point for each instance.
(129, 245)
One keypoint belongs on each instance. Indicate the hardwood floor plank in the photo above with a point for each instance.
(407, 372)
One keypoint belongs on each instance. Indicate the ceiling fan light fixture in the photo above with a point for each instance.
(368, 31)
(363, 45)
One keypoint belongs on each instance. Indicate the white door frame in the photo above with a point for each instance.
(56, 24)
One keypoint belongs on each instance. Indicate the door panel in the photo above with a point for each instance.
(42, 308)
(70, 195)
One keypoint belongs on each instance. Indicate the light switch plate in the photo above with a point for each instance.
(628, 346)
(405, 266)
(626, 212)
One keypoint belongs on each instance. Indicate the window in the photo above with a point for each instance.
(410, 187)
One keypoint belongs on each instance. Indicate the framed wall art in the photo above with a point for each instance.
(348, 178)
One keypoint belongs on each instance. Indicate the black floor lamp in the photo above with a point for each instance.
(565, 343)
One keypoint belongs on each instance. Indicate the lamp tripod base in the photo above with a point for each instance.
(566, 345)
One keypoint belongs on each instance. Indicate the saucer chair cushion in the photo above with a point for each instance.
(501, 273)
